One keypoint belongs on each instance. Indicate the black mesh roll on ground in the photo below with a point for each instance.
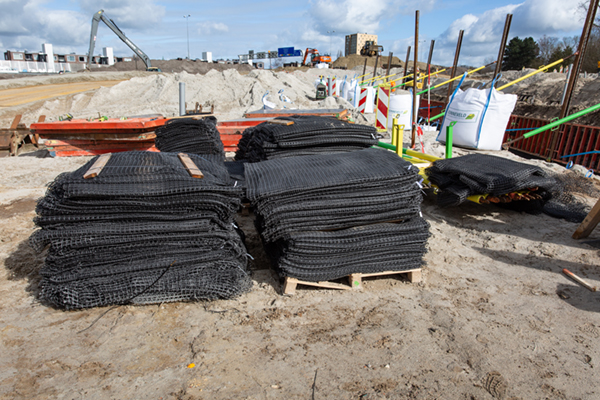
(323, 217)
(502, 179)
(306, 136)
(142, 231)
(188, 135)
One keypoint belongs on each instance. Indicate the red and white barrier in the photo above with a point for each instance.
(383, 105)
(362, 100)
(334, 87)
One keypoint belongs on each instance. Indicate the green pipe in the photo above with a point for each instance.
(561, 121)
(437, 116)
(449, 129)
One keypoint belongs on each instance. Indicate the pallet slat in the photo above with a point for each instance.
(355, 281)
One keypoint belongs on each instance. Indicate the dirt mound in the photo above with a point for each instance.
(189, 66)
(356, 60)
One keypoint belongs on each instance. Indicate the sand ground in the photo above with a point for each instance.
(493, 318)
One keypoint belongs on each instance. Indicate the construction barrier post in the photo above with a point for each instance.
(383, 104)
(329, 93)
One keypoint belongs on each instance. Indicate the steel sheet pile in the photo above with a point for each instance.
(323, 217)
(189, 135)
(142, 231)
(307, 135)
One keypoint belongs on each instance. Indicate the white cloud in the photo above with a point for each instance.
(127, 14)
(483, 32)
(352, 16)
(211, 28)
(28, 24)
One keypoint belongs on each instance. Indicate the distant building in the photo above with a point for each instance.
(48, 61)
(207, 56)
(357, 41)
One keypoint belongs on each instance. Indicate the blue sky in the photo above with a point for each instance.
(228, 28)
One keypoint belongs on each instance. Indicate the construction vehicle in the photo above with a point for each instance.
(315, 57)
(99, 16)
(371, 49)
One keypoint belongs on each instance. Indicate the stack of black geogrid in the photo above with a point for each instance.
(324, 217)
(307, 135)
(142, 231)
(460, 177)
(189, 135)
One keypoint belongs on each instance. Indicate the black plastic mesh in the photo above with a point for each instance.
(308, 135)
(556, 195)
(142, 231)
(189, 135)
(323, 217)
(461, 177)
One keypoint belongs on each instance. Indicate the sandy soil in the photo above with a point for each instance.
(493, 318)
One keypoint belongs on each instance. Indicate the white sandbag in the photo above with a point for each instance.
(401, 105)
(349, 89)
(322, 65)
(481, 117)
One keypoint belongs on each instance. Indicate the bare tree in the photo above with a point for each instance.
(547, 45)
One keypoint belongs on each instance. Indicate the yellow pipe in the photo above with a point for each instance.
(422, 156)
(476, 198)
(358, 77)
(531, 74)
(458, 77)
(367, 80)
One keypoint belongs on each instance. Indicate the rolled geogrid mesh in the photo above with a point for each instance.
(323, 217)
(306, 136)
(460, 177)
(189, 135)
(142, 231)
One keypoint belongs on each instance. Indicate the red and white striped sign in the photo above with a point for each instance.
(383, 104)
(334, 87)
(362, 100)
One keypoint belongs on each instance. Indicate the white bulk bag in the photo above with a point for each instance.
(401, 106)
(481, 117)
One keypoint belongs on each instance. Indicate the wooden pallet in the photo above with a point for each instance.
(355, 281)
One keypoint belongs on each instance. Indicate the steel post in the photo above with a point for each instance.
(415, 106)
(502, 45)
(454, 65)
(181, 98)
(574, 72)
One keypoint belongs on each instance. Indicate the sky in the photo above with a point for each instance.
(228, 28)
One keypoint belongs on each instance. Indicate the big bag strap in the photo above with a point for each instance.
(487, 103)
(450, 102)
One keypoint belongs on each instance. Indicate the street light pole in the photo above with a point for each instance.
(330, 39)
(187, 19)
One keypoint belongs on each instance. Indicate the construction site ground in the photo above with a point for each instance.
(493, 318)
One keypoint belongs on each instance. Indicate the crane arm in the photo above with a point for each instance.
(99, 16)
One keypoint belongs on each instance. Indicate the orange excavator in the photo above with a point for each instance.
(315, 57)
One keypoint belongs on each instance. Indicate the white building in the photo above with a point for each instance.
(207, 56)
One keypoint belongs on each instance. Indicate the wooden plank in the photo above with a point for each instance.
(15, 122)
(189, 165)
(290, 284)
(413, 275)
(95, 170)
(280, 122)
(589, 223)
